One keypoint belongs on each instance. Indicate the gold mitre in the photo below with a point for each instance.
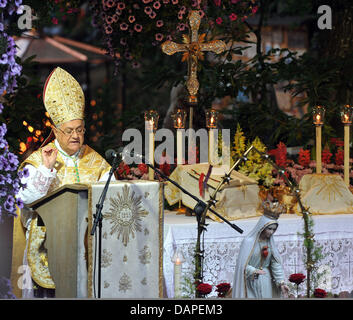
(273, 209)
(63, 97)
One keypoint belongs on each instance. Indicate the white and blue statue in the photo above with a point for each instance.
(258, 272)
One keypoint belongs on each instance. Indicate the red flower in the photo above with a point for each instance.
(233, 17)
(143, 168)
(219, 20)
(264, 251)
(204, 288)
(297, 278)
(217, 2)
(304, 157)
(222, 289)
(326, 155)
(320, 293)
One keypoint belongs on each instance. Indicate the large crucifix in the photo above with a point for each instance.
(193, 47)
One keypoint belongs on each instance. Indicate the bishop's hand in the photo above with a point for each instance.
(49, 156)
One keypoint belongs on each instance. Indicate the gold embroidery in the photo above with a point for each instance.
(106, 258)
(125, 215)
(125, 258)
(145, 255)
(37, 256)
(125, 283)
(106, 284)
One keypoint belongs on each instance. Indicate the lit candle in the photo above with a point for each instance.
(151, 150)
(346, 117)
(177, 277)
(346, 154)
(318, 150)
(318, 119)
(211, 146)
(179, 147)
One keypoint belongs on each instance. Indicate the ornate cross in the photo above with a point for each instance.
(193, 47)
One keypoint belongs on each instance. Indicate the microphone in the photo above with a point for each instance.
(110, 154)
(123, 154)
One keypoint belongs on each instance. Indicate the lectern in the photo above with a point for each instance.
(64, 213)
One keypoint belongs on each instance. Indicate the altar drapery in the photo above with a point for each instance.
(325, 194)
(132, 241)
(237, 200)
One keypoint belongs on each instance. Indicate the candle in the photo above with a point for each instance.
(346, 117)
(318, 149)
(211, 146)
(346, 154)
(177, 277)
(151, 154)
(179, 147)
(318, 119)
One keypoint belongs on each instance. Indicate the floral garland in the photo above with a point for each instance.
(130, 28)
(10, 179)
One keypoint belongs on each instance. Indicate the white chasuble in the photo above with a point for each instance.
(132, 240)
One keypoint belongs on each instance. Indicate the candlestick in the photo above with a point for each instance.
(318, 120)
(177, 259)
(346, 154)
(346, 117)
(151, 122)
(211, 146)
(179, 147)
(177, 276)
(318, 149)
(151, 154)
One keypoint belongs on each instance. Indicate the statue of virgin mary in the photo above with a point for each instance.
(258, 271)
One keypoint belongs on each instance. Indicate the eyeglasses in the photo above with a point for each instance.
(69, 132)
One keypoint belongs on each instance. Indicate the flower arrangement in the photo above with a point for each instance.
(332, 161)
(222, 289)
(10, 182)
(297, 279)
(127, 24)
(204, 289)
(9, 68)
(254, 167)
(320, 293)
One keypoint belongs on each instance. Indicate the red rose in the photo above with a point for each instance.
(320, 293)
(204, 288)
(143, 168)
(297, 278)
(222, 289)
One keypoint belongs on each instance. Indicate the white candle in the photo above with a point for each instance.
(179, 147)
(177, 276)
(318, 149)
(346, 154)
(151, 154)
(211, 146)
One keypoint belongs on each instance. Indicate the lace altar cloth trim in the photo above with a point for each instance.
(222, 243)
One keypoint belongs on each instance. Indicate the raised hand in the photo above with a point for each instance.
(49, 156)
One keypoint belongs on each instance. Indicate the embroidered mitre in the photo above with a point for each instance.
(63, 97)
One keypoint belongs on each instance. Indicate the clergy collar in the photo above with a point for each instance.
(75, 155)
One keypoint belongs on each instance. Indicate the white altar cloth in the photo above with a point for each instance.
(333, 232)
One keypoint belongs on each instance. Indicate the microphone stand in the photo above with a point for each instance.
(98, 218)
(200, 209)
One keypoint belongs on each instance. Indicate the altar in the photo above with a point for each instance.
(333, 232)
